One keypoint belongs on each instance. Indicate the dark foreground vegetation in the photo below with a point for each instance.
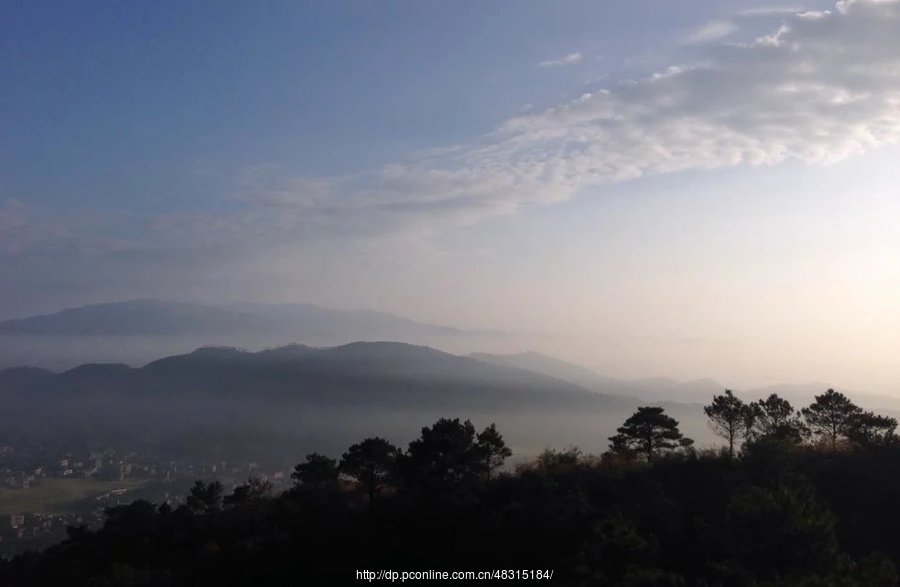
(795, 499)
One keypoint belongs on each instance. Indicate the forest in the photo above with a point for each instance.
(794, 497)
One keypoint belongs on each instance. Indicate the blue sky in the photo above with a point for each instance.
(161, 105)
(638, 176)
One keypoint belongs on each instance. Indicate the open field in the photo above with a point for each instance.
(55, 496)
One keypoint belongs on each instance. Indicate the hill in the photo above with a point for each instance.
(322, 395)
(361, 373)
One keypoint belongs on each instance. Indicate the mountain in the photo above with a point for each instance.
(154, 317)
(663, 390)
(329, 394)
(138, 331)
(553, 367)
(658, 389)
(361, 373)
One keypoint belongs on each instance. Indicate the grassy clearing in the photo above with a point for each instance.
(57, 496)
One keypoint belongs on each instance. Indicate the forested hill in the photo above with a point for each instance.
(782, 512)
(296, 397)
(376, 373)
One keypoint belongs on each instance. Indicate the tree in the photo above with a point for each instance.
(648, 432)
(255, 489)
(318, 471)
(371, 462)
(730, 418)
(445, 455)
(492, 449)
(868, 429)
(775, 418)
(205, 497)
(830, 416)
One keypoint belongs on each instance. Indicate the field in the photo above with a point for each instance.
(57, 496)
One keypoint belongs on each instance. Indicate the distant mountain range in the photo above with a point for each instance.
(316, 396)
(154, 317)
(139, 331)
(363, 373)
(327, 393)
(658, 389)
(295, 397)
(661, 389)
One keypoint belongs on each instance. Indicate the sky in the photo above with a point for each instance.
(690, 189)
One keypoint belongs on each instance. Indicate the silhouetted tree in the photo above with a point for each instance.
(371, 462)
(492, 449)
(730, 418)
(777, 516)
(648, 432)
(317, 472)
(774, 418)
(868, 429)
(830, 416)
(205, 497)
(255, 489)
(446, 454)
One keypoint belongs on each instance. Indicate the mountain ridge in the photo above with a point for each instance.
(163, 317)
(663, 389)
(357, 360)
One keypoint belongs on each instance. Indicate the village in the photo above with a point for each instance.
(44, 491)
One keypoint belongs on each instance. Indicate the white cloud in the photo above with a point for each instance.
(567, 60)
(712, 31)
(768, 11)
(816, 90)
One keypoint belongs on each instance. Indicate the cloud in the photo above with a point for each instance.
(569, 59)
(712, 31)
(768, 11)
(816, 90)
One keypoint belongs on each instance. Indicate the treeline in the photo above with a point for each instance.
(832, 421)
(796, 498)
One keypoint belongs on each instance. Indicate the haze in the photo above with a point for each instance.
(688, 189)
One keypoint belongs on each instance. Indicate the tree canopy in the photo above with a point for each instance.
(830, 416)
(648, 433)
(318, 471)
(450, 453)
(371, 462)
(492, 449)
(774, 418)
(730, 418)
(781, 514)
(868, 429)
